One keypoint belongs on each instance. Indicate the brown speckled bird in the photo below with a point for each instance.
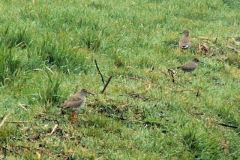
(190, 66)
(75, 103)
(184, 42)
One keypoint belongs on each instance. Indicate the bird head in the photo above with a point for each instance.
(185, 33)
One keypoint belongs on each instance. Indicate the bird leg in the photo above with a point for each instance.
(73, 117)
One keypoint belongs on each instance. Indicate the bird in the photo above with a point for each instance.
(75, 103)
(190, 66)
(184, 42)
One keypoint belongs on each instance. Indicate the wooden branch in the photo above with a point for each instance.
(4, 119)
(227, 125)
(95, 61)
(105, 86)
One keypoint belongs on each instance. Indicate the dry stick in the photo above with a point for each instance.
(22, 106)
(95, 61)
(4, 119)
(53, 129)
(227, 125)
(105, 86)
(17, 122)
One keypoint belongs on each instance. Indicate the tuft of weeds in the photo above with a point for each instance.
(97, 5)
(91, 38)
(6, 133)
(9, 66)
(49, 94)
(233, 59)
(15, 38)
(52, 55)
(228, 117)
(232, 3)
(118, 61)
(190, 141)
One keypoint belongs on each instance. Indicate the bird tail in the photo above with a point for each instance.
(185, 46)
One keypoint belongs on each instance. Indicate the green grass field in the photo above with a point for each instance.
(47, 53)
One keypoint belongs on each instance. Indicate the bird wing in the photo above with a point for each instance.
(75, 97)
(72, 104)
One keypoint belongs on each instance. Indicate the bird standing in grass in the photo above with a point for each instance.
(190, 66)
(75, 103)
(184, 42)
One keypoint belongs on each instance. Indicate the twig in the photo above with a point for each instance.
(22, 106)
(152, 69)
(95, 61)
(105, 86)
(18, 122)
(4, 119)
(227, 125)
(53, 129)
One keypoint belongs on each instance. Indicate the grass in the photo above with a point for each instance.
(47, 52)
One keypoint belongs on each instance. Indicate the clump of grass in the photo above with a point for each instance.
(9, 66)
(228, 116)
(232, 3)
(118, 61)
(91, 38)
(49, 95)
(200, 144)
(190, 141)
(68, 62)
(15, 38)
(51, 55)
(6, 132)
(233, 59)
(96, 5)
(145, 61)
